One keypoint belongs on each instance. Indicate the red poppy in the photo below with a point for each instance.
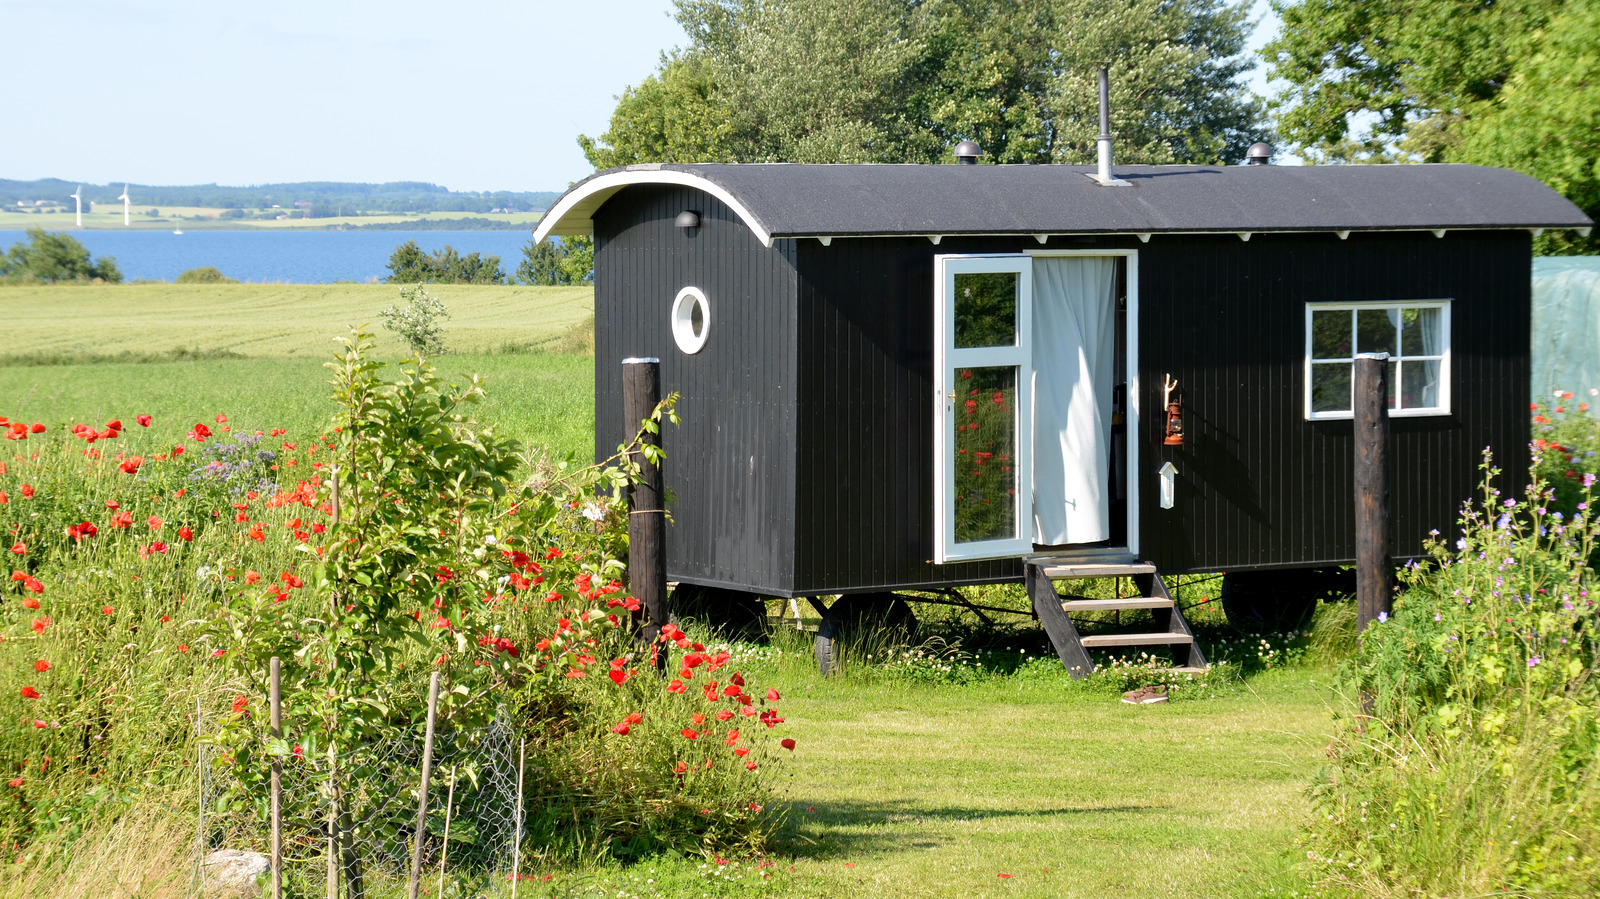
(106, 610)
(219, 653)
(733, 737)
(33, 585)
(27, 491)
(16, 783)
(690, 733)
(787, 743)
(154, 522)
(221, 418)
(144, 421)
(122, 519)
(618, 677)
(676, 686)
(772, 695)
(159, 547)
(680, 768)
(185, 534)
(30, 693)
(621, 729)
(240, 704)
(37, 428)
(19, 548)
(41, 666)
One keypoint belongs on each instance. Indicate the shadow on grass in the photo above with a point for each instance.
(829, 830)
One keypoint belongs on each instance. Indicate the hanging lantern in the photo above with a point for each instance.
(1174, 415)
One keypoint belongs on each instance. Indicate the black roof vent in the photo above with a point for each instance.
(1258, 154)
(967, 152)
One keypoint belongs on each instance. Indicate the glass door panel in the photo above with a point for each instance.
(982, 489)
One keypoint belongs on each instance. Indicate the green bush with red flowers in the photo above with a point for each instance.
(156, 568)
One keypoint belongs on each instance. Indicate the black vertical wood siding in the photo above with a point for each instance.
(805, 464)
(730, 466)
(1258, 485)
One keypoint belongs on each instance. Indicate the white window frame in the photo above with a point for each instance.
(947, 359)
(1443, 305)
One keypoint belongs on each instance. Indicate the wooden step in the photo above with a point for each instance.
(1100, 640)
(1102, 605)
(1062, 570)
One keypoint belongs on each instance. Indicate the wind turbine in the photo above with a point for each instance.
(125, 202)
(78, 195)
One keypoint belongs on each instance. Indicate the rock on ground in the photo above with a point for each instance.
(232, 874)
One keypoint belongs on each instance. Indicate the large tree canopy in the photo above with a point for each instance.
(1512, 83)
(903, 81)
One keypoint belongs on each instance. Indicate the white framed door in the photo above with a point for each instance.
(983, 397)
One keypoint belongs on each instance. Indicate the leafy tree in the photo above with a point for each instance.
(902, 81)
(56, 256)
(557, 262)
(1546, 122)
(1508, 84)
(1410, 68)
(410, 265)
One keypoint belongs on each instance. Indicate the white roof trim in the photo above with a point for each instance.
(572, 216)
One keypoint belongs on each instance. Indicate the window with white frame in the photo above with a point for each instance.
(1415, 334)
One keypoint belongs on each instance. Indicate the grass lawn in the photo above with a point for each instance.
(182, 352)
(913, 790)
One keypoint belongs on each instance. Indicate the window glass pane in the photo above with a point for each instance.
(1330, 334)
(1419, 385)
(1394, 381)
(986, 309)
(985, 453)
(1330, 387)
(1375, 331)
(1420, 332)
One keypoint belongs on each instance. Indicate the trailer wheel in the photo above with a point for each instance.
(1283, 600)
(862, 619)
(734, 614)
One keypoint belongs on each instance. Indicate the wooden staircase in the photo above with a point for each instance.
(1055, 611)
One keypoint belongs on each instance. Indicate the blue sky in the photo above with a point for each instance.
(470, 94)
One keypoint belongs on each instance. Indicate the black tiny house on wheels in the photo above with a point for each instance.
(914, 377)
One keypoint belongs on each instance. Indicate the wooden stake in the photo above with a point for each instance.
(647, 532)
(422, 795)
(333, 822)
(516, 850)
(444, 853)
(1375, 581)
(275, 698)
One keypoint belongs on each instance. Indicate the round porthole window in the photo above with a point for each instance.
(691, 320)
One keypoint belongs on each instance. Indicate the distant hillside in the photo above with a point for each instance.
(321, 197)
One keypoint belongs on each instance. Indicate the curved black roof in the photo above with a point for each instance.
(783, 200)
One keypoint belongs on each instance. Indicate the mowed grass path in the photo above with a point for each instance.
(261, 348)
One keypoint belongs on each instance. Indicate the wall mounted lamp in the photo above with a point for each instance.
(1174, 414)
(687, 219)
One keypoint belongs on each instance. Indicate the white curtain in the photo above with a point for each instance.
(1074, 336)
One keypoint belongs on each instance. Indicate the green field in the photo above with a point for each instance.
(192, 218)
(254, 352)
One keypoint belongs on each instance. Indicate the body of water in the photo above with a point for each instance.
(297, 257)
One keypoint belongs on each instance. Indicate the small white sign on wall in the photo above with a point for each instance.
(1169, 485)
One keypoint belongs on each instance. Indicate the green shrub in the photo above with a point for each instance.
(208, 274)
(1466, 762)
(54, 256)
(157, 571)
(420, 322)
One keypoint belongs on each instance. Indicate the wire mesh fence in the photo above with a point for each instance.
(357, 812)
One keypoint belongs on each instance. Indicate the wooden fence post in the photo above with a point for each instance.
(647, 558)
(422, 795)
(1374, 567)
(275, 697)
